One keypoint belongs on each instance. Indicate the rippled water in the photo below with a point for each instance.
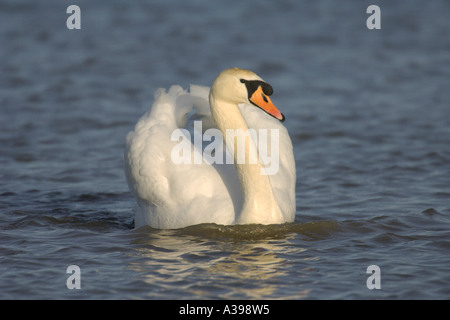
(368, 112)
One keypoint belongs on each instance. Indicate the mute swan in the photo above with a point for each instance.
(172, 194)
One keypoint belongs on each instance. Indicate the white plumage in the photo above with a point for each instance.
(171, 195)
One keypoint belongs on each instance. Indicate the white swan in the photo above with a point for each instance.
(172, 195)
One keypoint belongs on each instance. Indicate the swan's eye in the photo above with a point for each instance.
(252, 85)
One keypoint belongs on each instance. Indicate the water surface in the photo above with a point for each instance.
(368, 112)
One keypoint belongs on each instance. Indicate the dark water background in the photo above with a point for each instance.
(368, 112)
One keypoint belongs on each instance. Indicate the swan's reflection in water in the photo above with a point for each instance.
(223, 262)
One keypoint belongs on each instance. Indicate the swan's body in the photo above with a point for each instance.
(171, 195)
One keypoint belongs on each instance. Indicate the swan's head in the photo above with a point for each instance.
(243, 86)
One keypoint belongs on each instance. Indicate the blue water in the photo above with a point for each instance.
(368, 112)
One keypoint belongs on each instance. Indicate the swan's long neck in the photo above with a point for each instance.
(259, 205)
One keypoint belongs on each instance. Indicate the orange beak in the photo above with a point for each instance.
(261, 100)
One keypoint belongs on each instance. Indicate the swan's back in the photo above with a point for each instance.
(171, 195)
